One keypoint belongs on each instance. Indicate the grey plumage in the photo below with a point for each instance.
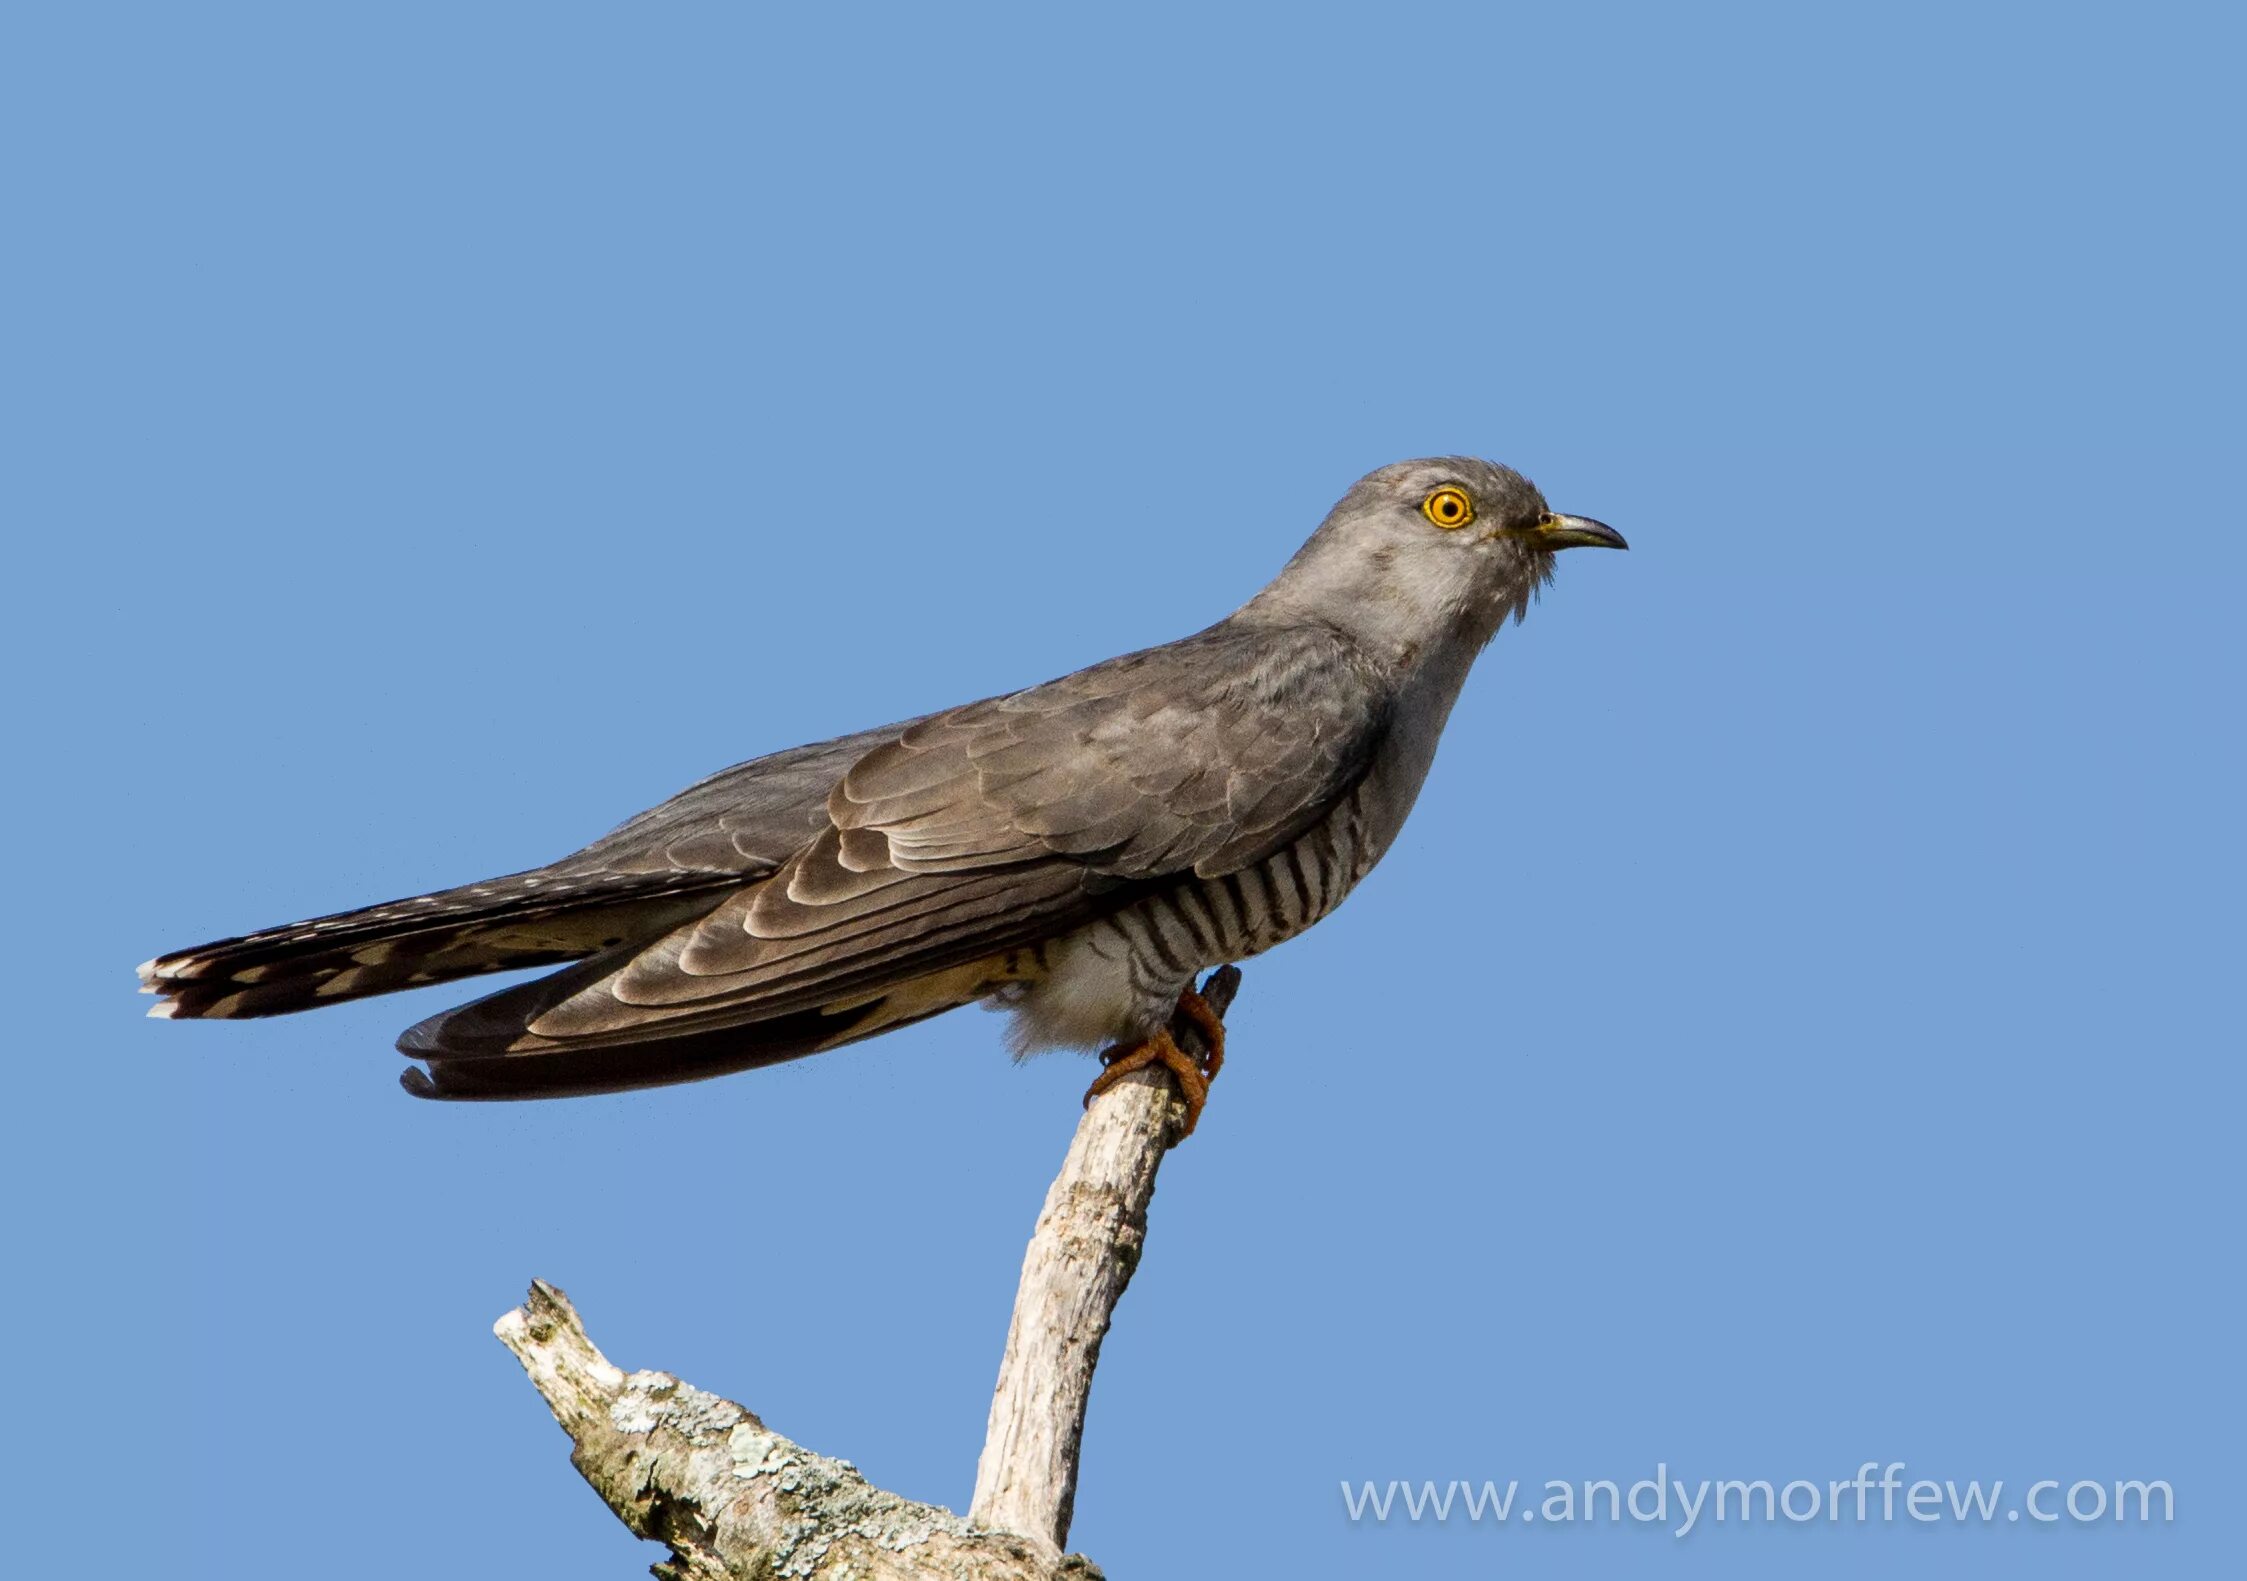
(1078, 850)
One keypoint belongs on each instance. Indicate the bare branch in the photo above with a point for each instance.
(735, 1500)
(732, 1498)
(1081, 1256)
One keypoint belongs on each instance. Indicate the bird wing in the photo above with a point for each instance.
(747, 819)
(628, 888)
(984, 829)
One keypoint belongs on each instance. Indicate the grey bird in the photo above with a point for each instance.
(1079, 851)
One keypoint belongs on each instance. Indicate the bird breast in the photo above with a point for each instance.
(1116, 980)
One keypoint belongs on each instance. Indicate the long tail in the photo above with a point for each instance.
(486, 1049)
(659, 1062)
(538, 918)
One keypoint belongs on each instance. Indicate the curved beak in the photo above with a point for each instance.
(1576, 532)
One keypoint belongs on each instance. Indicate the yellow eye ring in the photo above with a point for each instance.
(1448, 508)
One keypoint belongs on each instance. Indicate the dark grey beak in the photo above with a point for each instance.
(1577, 532)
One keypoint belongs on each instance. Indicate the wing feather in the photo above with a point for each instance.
(989, 828)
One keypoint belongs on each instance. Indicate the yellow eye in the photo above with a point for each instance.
(1448, 507)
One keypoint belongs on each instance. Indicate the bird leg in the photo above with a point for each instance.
(1194, 1075)
(1202, 1016)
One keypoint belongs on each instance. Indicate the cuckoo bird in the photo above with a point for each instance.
(1076, 852)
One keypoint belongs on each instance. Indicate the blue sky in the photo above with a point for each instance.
(1799, 1026)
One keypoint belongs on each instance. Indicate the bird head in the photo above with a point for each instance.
(1421, 550)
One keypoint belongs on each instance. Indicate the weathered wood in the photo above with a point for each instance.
(732, 1498)
(1081, 1256)
(735, 1500)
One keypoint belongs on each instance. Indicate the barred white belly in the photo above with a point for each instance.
(1116, 980)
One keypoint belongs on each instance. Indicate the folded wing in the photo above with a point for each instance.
(950, 842)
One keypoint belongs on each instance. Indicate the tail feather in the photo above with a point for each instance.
(539, 918)
(485, 1049)
(571, 1073)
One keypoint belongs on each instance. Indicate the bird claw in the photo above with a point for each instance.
(1202, 1016)
(1193, 1075)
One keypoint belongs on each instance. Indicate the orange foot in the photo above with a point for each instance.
(1194, 1075)
(1202, 1016)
